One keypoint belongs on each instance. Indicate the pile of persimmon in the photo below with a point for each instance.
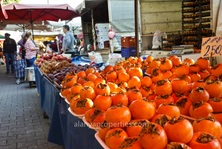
(142, 103)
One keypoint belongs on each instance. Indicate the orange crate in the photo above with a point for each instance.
(127, 42)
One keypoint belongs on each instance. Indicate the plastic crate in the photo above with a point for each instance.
(127, 42)
(127, 52)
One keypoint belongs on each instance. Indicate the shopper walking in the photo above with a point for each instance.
(9, 49)
(68, 40)
(22, 47)
(1, 56)
(30, 49)
(54, 46)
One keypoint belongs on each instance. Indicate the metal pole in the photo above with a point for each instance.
(93, 30)
(136, 26)
(23, 28)
(32, 28)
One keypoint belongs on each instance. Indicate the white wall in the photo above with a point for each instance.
(163, 15)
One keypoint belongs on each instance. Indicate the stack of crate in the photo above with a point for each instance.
(128, 46)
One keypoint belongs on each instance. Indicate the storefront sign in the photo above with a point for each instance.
(211, 45)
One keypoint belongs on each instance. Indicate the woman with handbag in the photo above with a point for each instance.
(30, 48)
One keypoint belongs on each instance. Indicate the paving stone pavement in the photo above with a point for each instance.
(22, 125)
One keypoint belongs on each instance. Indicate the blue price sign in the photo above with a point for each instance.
(211, 45)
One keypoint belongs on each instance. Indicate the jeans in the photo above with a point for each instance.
(30, 62)
(9, 61)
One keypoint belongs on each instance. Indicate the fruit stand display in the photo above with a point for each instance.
(64, 129)
(147, 104)
(56, 66)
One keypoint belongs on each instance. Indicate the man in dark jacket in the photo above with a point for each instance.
(9, 49)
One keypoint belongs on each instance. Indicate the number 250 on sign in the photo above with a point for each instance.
(211, 45)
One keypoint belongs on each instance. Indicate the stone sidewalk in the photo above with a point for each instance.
(22, 125)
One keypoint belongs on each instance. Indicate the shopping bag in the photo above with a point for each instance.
(20, 66)
(157, 40)
(114, 58)
(95, 57)
(2, 61)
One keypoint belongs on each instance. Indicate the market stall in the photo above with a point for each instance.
(142, 102)
(166, 24)
(134, 103)
(65, 129)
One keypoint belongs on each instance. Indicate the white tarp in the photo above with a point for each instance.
(121, 15)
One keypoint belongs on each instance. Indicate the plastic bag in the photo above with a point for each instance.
(2, 61)
(157, 39)
(48, 49)
(114, 58)
(95, 57)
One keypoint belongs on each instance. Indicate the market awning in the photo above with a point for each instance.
(87, 5)
(3, 14)
(2, 37)
(41, 12)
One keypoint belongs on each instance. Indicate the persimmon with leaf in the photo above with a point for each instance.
(102, 89)
(180, 86)
(130, 143)
(120, 99)
(199, 94)
(134, 94)
(177, 145)
(188, 61)
(200, 109)
(135, 71)
(203, 140)
(203, 63)
(166, 99)
(76, 88)
(214, 88)
(175, 60)
(115, 137)
(146, 91)
(82, 105)
(134, 127)
(102, 102)
(163, 87)
(141, 109)
(161, 119)
(134, 82)
(166, 64)
(118, 116)
(184, 104)
(216, 104)
(179, 130)
(182, 70)
(87, 92)
(209, 125)
(153, 136)
(156, 75)
(169, 109)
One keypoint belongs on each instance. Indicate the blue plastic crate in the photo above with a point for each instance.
(127, 52)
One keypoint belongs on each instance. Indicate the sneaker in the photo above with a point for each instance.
(12, 71)
(7, 72)
(18, 81)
